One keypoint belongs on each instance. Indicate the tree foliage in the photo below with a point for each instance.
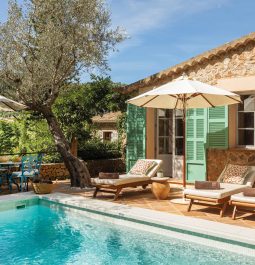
(77, 104)
(46, 44)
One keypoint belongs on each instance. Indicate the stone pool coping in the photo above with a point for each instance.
(230, 237)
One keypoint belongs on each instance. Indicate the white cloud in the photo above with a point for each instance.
(139, 16)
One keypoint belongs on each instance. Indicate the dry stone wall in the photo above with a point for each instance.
(237, 63)
(218, 158)
(58, 170)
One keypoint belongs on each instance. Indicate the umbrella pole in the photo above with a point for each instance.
(184, 149)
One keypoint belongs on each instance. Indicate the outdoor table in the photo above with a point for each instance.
(5, 168)
(9, 164)
(160, 188)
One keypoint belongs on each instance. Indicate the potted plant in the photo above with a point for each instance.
(42, 186)
(160, 173)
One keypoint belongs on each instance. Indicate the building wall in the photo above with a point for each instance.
(232, 126)
(217, 160)
(233, 70)
(236, 63)
(150, 133)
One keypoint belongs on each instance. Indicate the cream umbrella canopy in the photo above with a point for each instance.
(185, 94)
(7, 104)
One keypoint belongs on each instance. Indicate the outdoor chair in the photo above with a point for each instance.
(30, 169)
(129, 180)
(219, 198)
(242, 203)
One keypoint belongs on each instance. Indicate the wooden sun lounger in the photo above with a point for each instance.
(242, 204)
(115, 186)
(213, 198)
(203, 201)
(116, 189)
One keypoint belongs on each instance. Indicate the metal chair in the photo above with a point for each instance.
(30, 168)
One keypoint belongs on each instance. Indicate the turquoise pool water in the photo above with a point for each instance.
(48, 234)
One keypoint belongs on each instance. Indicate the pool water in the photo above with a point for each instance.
(48, 234)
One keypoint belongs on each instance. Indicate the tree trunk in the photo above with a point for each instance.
(77, 168)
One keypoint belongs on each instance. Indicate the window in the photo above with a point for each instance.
(178, 132)
(246, 128)
(164, 120)
(107, 136)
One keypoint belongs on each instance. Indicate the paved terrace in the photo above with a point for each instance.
(145, 199)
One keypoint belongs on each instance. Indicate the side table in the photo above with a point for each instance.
(160, 188)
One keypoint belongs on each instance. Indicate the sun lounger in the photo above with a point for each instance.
(127, 180)
(219, 198)
(242, 203)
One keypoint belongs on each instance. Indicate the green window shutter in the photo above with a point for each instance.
(136, 134)
(218, 127)
(196, 128)
(204, 128)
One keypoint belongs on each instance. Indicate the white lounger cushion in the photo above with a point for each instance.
(128, 178)
(123, 179)
(225, 191)
(240, 198)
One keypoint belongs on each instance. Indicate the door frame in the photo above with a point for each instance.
(171, 140)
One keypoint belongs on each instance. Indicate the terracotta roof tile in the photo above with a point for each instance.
(110, 117)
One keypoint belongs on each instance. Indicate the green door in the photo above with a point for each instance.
(196, 124)
(205, 128)
(136, 135)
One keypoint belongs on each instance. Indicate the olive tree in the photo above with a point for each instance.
(44, 45)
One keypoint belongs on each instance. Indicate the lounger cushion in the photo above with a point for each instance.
(234, 174)
(249, 178)
(141, 167)
(124, 179)
(241, 198)
(226, 190)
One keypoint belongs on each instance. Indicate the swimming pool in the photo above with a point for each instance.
(47, 233)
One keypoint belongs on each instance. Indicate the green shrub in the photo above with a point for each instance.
(95, 149)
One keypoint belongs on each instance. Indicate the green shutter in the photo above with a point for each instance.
(204, 128)
(195, 144)
(218, 127)
(136, 134)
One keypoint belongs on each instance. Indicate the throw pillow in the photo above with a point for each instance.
(234, 174)
(103, 175)
(141, 167)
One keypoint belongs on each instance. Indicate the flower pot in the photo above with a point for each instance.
(43, 188)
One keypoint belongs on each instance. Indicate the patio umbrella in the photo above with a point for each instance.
(7, 104)
(184, 94)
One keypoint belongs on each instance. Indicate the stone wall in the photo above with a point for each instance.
(220, 63)
(59, 171)
(236, 63)
(54, 171)
(217, 159)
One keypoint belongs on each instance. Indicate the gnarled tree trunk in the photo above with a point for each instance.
(77, 168)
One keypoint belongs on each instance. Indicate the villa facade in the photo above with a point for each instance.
(225, 133)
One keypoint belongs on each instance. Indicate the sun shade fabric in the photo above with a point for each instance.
(7, 104)
(141, 167)
(198, 95)
(234, 174)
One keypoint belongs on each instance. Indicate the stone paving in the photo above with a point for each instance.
(144, 198)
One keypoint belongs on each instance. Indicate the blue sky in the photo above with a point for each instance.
(166, 32)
